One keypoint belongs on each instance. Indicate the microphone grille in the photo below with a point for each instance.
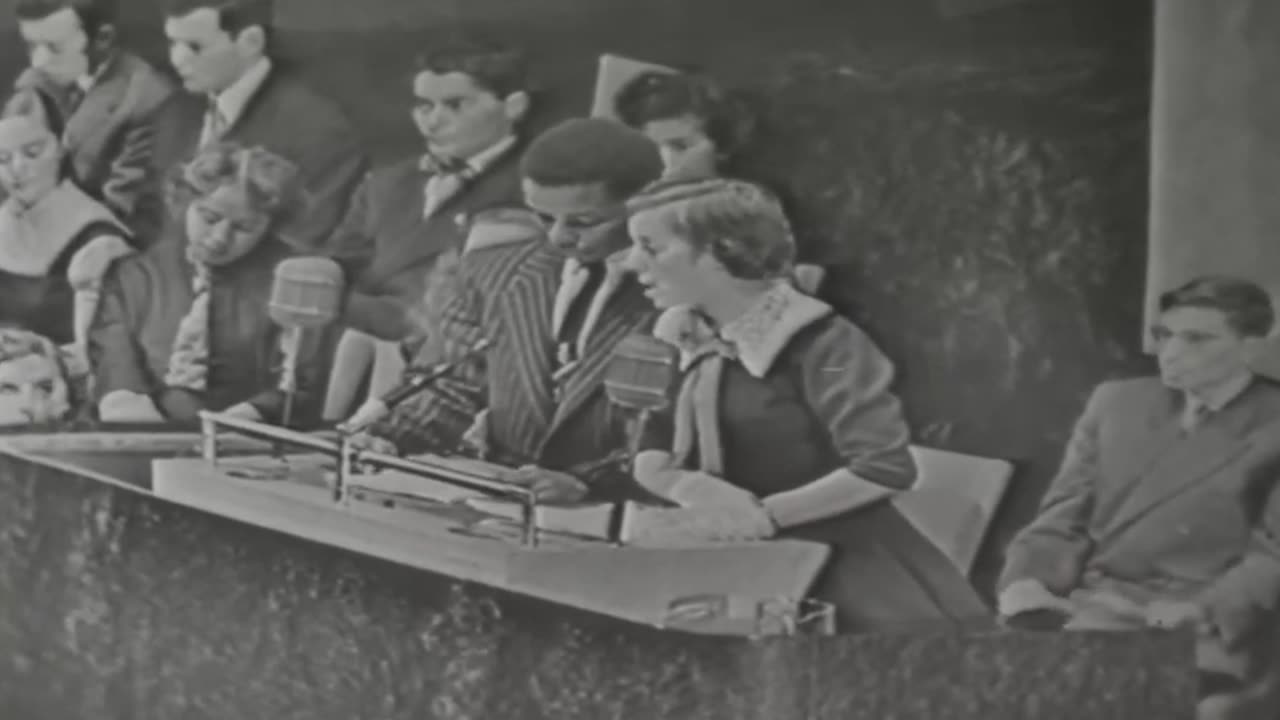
(643, 373)
(306, 292)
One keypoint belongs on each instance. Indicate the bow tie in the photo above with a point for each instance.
(436, 165)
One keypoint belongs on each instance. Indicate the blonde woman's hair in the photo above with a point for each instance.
(270, 182)
(740, 223)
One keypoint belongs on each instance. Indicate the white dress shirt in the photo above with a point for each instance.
(227, 106)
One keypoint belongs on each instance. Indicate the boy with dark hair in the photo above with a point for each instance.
(106, 97)
(1165, 512)
(401, 235)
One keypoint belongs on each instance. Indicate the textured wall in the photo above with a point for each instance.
(981, 181)
(120, 607)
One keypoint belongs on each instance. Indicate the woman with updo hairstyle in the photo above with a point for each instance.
(785, 424)
(56, 242)
(184, 327)
(701, 130)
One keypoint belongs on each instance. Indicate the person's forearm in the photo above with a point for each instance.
(655, 472)
(833, 494)
(383, 317)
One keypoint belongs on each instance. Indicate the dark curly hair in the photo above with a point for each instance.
(1246, 305)
(584, 151)
(727, 118)
(498, 69)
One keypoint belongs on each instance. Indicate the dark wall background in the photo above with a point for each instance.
(978, 179)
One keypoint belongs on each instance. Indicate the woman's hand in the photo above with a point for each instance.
(1176, 614)
(1029, 594)
(549, 486)
(699, 489)
(126, 406)
(367, 442)
(243, 411)
(693, 525)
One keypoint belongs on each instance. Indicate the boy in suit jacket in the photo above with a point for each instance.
(554, 309)
(107, 97)
(1165, 513)
(236, 93)
(402, 228)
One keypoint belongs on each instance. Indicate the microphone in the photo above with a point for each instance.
(643, 374)
(643, 377)
(415, 380)
(306, 292)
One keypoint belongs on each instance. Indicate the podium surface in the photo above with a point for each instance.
(122, 604)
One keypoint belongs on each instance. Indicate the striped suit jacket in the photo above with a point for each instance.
(506, 294)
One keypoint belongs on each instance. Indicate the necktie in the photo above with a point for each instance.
(446, 177)
(75, 96)
(569, 323)
(1194, 414)
(215, 125)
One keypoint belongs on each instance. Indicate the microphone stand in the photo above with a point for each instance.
(618, 513)
(288, 381)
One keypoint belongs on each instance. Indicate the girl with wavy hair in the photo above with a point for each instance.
(701, 130)
(785, 424)
(184, 327)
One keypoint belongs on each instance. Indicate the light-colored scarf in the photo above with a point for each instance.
(755, 340)
(189, 360)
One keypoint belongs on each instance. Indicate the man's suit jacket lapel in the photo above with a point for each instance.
(625, 313)
(1179, 461)
(260, 101)
(525, 307)
(93, 120)
(486, 182)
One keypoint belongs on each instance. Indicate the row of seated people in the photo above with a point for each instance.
(1162, 514)
(124, 127)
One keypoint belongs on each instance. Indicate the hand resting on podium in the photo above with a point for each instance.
(675, 527)
(1028, 598)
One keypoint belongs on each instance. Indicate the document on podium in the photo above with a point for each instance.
(396, 482)
(589, 520)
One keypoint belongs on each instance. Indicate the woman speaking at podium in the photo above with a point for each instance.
(785, 424)
(185, 327)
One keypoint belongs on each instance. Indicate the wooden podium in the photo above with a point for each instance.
(122, 602)
(636, 584)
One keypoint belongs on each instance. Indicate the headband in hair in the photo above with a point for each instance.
(714, 197)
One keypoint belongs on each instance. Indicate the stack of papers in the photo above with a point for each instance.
(586, 520)
(401, 483)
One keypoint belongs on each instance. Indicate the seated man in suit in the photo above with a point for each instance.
(399, 235)
(236, 92)
(554, 308)
(106, 96)
(1164, 512)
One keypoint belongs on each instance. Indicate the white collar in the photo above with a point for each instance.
(486, 157)
(1220, 395)
(758, 337)
(573, 278)
(87, 81)
(32, 238)
(232, 101)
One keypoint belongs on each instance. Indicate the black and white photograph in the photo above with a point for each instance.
(639, 360)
